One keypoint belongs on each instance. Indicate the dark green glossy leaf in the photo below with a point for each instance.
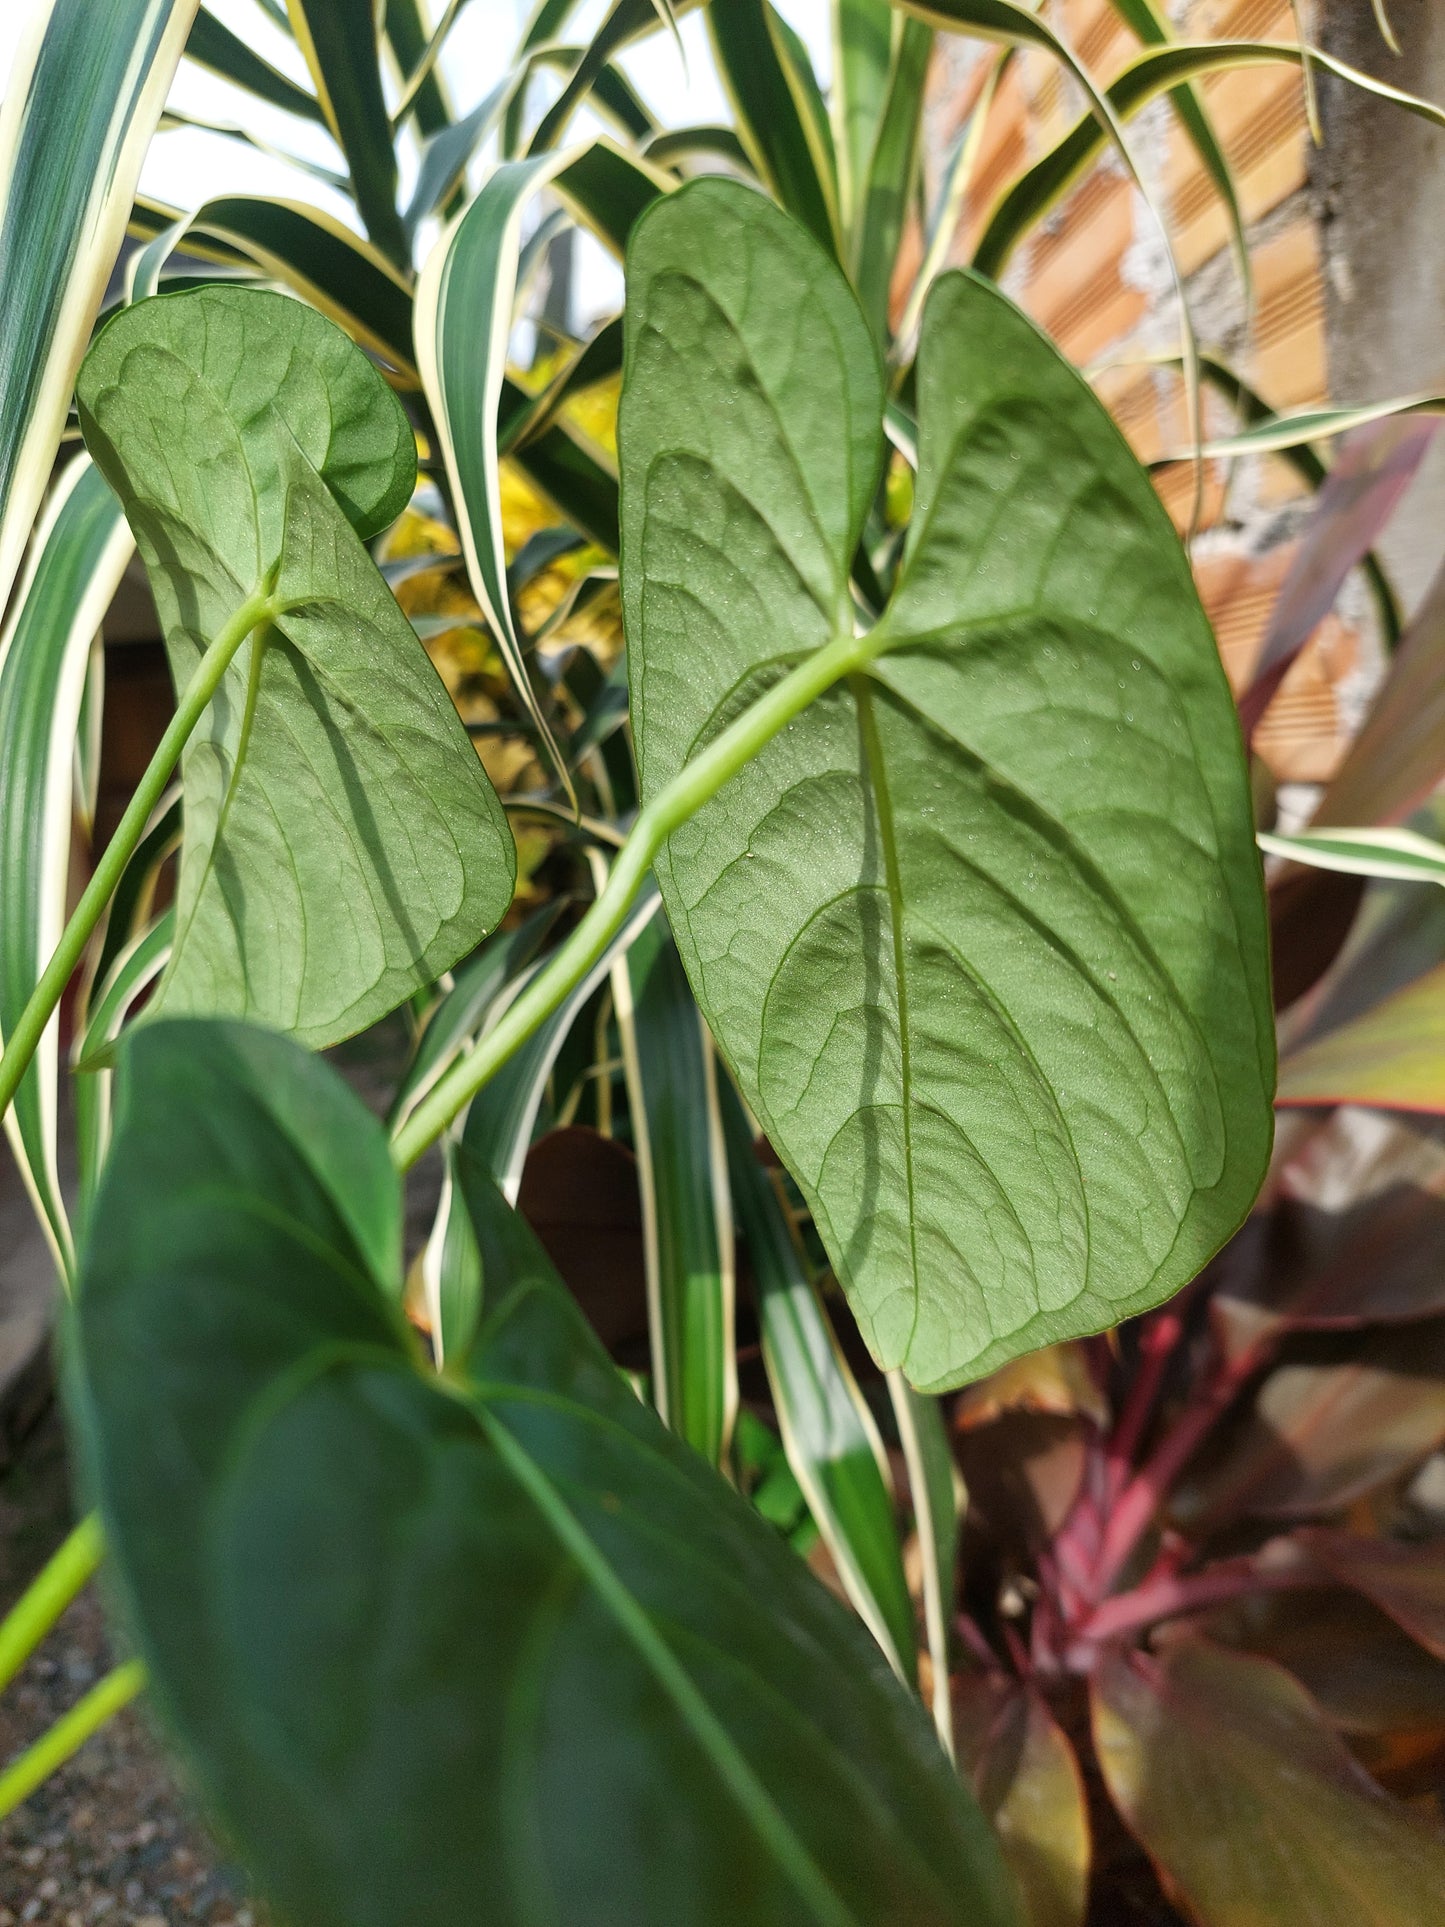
(506, 1637)
(981, 932)
(343, 844)
(1248, 1804)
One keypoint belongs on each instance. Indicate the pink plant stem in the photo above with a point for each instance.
(968, 1631)
(1167, 1598)
(1017, 1651)
(1142, 1497)
(1158, 1343)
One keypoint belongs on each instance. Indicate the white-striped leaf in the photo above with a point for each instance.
(1404, 855)
(80, 551)
(83, 98)
(937, 1491)
(686, 1211)
(829, 1435)
(465, 303)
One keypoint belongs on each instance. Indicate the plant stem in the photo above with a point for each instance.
(30, 1028)
(693, 786)
(1141, 1499)
(69, 1734)
(1128, 1612)
(47, 1596)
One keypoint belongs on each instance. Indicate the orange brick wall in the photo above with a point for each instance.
(1096, 275)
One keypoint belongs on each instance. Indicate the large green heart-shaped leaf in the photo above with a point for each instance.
(982, 931)
(343, 844)
(493, 1648)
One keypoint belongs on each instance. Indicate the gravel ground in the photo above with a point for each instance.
(110, 1837)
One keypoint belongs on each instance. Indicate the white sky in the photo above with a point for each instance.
(186, 166)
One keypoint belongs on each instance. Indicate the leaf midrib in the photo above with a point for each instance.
(707, 1730)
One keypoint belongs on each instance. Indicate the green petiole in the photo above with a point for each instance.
(69, 1734)
(25, 1038)
(48, 1595)
(695, 785)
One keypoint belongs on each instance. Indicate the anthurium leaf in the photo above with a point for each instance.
(343, 844)
(1246, 1802)
(507, 1641)
(981, 932)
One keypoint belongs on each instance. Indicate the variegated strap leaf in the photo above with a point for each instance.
(464, 313)
(83, 99)
(686, 1210)
(80, 552)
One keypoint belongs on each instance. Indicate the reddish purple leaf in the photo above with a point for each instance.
(1351, 1234)
(1405, 1581)
(1026, 1777)
(1376, 465)
(1249, 1806)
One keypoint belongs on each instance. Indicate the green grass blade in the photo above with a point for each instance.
(1403, 855)
(682, 1174)
(312, 253)
(80, 552)
(463, 1012)
(943, 224)
(831, 1441)
(609, 189)
(82, 99)
(446, 156)
(625, 21)
(1273, 434)
(501, 1119)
